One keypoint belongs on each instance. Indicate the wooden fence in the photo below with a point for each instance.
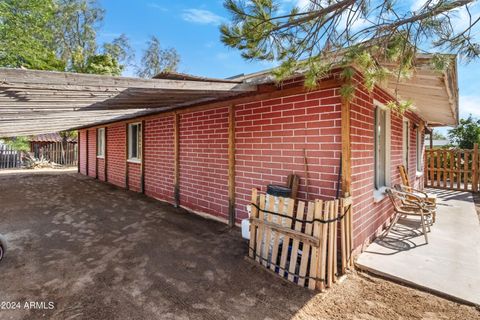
(456, 169)
(10, 158)
(311, 248)
(59, 153)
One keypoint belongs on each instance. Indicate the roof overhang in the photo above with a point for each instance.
(434, 94)
(36, 102)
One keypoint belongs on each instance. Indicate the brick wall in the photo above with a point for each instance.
(116, 154)
(101, 169)
(134, 173)
(83, 151)
(370, 216)
(203, 161)
(92, 152)
(272, 137)
(159, 158)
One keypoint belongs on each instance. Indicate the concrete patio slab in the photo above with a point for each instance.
(448, 265)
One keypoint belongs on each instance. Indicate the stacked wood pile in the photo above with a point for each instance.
(309, 244)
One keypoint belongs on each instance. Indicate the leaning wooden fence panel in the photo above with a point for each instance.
(455, 169)
(298, 240)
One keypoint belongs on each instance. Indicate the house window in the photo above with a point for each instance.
(419, 150)
(382, 147)
(406, 142)
(101, 142)
(134, 141)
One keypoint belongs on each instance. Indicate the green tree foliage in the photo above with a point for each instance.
(58, 35)
(156, 60)
(103, 64)
(439, 136)
(466, 134)
(348, 32)
(26, 38)
(20, 143)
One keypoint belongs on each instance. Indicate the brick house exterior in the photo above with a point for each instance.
(275, 130)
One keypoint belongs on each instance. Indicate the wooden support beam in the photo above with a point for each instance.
(96, 153)
(86, 152)
(142, 157)
(126, 156)
(105, 159)
(231, 166)
(176, 159)
(78, 151)
(346, 149)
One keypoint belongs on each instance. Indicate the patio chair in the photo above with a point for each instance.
(404, 207)
(419, 197)
(432, 198)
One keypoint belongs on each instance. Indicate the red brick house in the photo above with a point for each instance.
(209, 156)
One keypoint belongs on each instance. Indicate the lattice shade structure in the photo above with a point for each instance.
(36, 102)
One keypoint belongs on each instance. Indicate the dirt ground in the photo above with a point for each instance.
(99, 252)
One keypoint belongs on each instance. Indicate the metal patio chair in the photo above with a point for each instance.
(404, 207)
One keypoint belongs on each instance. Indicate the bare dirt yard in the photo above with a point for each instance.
(99, 252)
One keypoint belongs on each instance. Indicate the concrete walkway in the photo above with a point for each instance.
(449, 265)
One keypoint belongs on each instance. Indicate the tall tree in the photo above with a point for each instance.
(77, 22)
(362, 32)
(26, 38)
(156, 60)
(120, 49)
(466, 134)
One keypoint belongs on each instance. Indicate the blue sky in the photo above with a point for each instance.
(192, 28)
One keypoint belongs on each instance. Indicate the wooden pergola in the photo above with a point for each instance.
(36, 102)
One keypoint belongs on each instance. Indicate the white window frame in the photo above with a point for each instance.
(419, 151)
(406, 143)
(131, 158)
(101, 142)
(379, 190)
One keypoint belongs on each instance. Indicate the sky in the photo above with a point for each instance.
(192, 28)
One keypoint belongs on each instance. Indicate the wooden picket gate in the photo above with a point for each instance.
(455, 169)
(303, 248)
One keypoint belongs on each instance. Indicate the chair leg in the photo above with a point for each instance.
(394, 221)
(422, 218)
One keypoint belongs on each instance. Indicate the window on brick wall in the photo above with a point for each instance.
(134, 141)
(406, 142)
(101, 142)
(419, 150)
(382, 147)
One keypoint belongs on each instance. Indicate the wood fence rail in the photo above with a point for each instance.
(311, 247)
(454, 169)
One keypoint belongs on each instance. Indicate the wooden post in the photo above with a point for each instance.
(176, 159)
(105, 162)
(142, 157)
(96, 153)
(231, 166)
(475, 168)
(86, 152)
(431, 139)
(78, 151)
(346, 150)
(126, 155)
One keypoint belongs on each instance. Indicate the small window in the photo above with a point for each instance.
(406, 142)
(134, 141)
(101, 142)
(419, 151)
(382, 147)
